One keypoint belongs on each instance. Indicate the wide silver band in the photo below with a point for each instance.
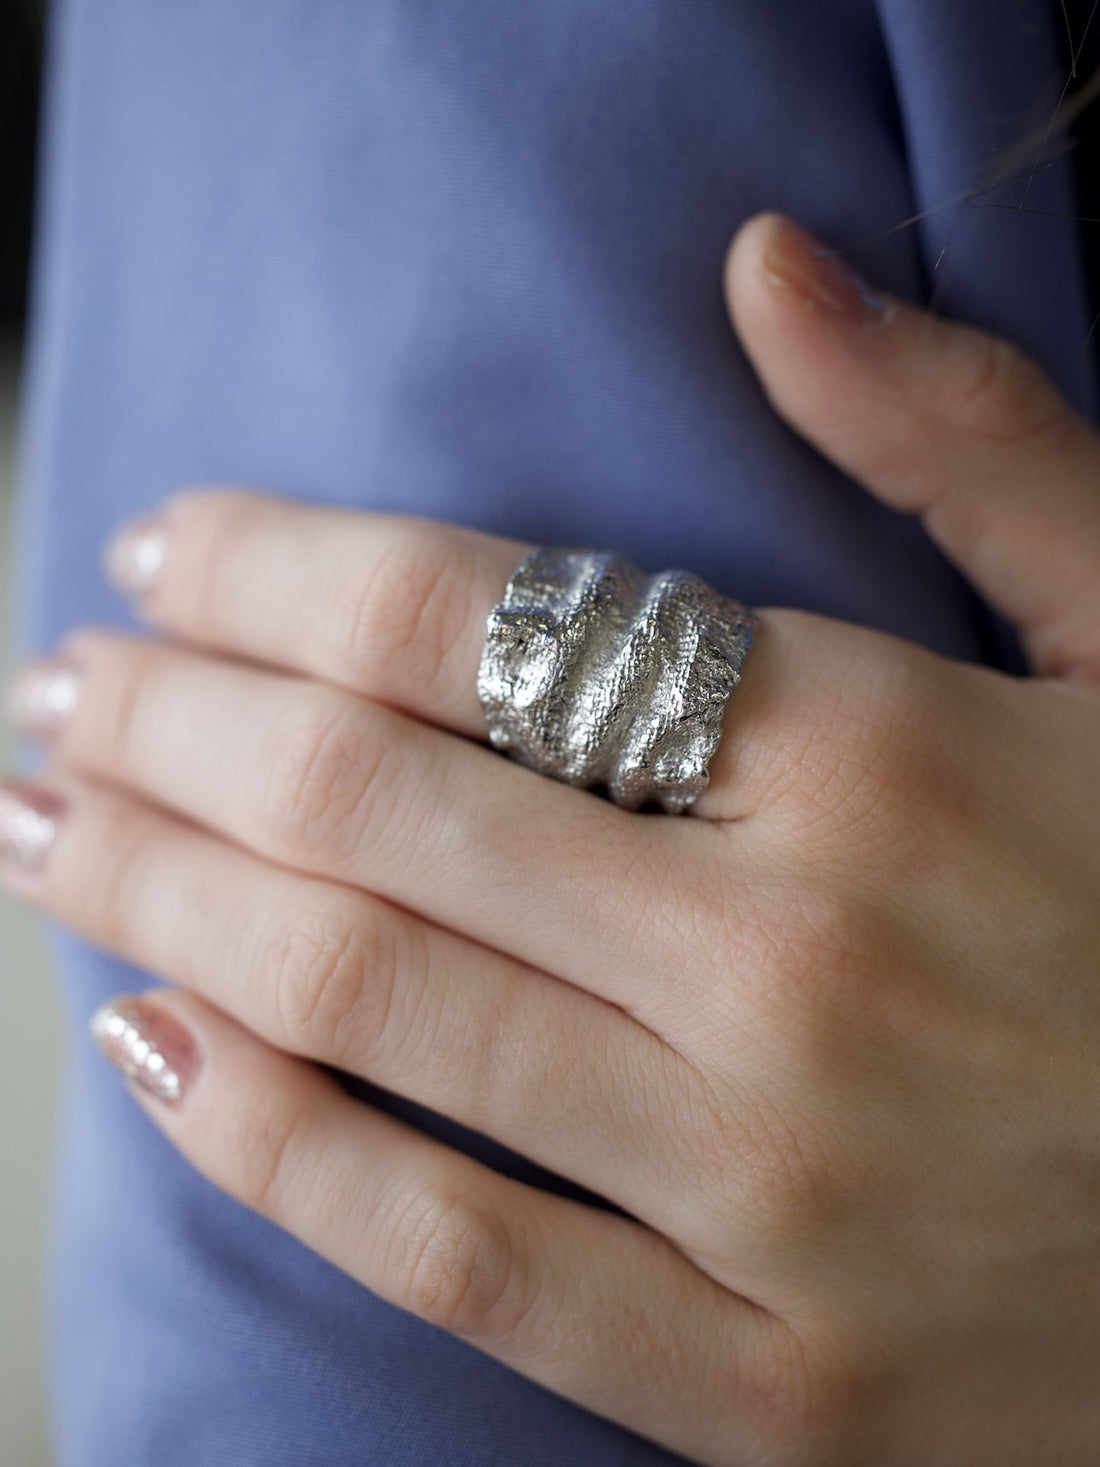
(596, 674)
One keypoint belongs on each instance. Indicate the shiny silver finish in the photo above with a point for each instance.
(597, 675)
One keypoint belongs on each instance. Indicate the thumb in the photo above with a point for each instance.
(939, 420)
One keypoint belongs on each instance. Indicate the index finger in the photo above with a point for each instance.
(390, 606)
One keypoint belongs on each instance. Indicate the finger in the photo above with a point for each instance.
(348, 980)
(939, 420)
(591, 1305)
(387, 605)
(325, 782)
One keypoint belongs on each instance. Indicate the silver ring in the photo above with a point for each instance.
(598, 675)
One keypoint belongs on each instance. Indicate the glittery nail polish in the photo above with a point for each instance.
(149, 1046)
(134, 556)
(29, 821)
(796, 260)
(43, 695)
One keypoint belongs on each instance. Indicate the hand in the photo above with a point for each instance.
(834, 1046)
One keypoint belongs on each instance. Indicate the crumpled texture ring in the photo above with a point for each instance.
(600, 676)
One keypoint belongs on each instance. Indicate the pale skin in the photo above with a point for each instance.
(832, 1041)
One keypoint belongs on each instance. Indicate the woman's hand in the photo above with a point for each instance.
(835, 1045)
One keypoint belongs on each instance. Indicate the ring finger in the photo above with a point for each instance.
(342, 787)
(346, 979)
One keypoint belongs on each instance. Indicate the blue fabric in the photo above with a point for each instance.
(461, 259)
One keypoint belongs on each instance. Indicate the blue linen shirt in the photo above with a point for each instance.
(463, 260)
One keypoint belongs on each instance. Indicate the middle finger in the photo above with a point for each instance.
(318, 779)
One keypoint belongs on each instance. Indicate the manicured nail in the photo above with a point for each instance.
(796, 260)
(29, 821)
(43, 695)
(149, 1046)
(135, 555)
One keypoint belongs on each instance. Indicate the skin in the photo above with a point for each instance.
(832, 1041)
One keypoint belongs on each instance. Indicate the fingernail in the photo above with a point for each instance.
(135, 554)
(29, 821)
(42, 696)
(149, 1046)
(797, 261)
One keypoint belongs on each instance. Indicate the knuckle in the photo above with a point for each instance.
(317, 967)
(459, 1268)
(508, 1061)
(794, 1180)
(122, 875)
(259, 1146)
(991, 390)
(815, 942)
(398, 623)
(821, 965)
(124, 685)
(315, 771)
(810, 1403)
(819, 994)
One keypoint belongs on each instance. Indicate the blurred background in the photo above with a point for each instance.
(30, 1021)
(30, 1026)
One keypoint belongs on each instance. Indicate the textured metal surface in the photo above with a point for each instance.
(598, 675)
